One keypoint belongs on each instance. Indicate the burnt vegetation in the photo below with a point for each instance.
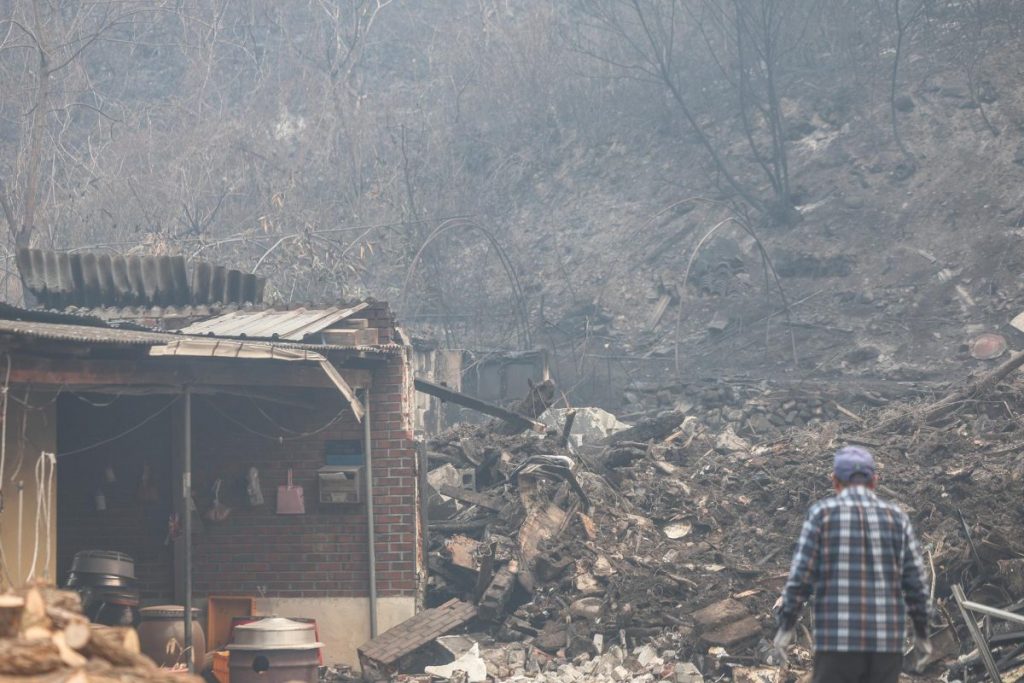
(495, 165)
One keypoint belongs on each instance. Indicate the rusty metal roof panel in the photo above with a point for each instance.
(293, 325)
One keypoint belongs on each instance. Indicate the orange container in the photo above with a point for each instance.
(220, 667)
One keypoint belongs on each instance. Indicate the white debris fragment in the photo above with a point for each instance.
(470, 663)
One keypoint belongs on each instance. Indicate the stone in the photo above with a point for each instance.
(602, 567)
(759, 424)
(904, 103)
(686, 672)
(729, 442)
(648, 657)
(620, 673)
(552, 638)
(587, 608)
(742, 674)
(733, 633)
(587, 584)
(721, 612)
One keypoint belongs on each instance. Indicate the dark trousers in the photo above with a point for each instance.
(857, 667)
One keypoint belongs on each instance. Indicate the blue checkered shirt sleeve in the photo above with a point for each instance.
(802, 571)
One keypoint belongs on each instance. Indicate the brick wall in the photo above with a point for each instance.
(255, 551)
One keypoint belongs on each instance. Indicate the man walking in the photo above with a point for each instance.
(858, 558)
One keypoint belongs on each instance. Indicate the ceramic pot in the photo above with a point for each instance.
(162, 635)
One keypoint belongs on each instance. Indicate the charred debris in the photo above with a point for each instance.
(565, 545)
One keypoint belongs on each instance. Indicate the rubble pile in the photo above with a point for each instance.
(44, 636)
(657, 552)
(763, 409)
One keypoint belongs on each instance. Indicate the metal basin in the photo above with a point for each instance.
(275, 633)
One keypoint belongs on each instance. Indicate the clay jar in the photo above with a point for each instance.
(162, 635)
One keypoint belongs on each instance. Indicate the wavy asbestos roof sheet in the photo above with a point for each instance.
(59, 279)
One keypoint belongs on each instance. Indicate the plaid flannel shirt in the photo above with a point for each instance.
(858, 558)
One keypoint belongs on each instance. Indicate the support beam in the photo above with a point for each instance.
(186, 487)
(174, 373)
(521, 422)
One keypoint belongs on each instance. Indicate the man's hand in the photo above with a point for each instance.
(922, 652)
(783, 639)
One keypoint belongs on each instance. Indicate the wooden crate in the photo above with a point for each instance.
(220, 612)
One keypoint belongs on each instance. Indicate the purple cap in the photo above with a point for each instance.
(851, 460)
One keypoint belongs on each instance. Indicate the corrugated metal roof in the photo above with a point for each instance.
(290, 325)
(59, 279)
(117, 337)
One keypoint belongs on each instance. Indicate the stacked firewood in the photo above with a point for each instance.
(45, 638)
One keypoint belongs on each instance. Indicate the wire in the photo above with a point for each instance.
(280, 438)
(95, 404)
(44, 497)
(126, 432)
(270, 419)
(3, 430)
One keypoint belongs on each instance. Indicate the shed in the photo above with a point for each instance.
(135, 418)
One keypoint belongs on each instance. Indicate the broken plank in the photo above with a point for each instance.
(515, 420)
(472, 497)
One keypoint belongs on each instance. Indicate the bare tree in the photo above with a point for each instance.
(46, 41)
(905, 13)
(737, 74)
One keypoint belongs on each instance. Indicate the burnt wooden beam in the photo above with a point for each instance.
(515, 420)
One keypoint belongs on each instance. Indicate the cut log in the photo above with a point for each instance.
(62, 617)
(117, 645)
(77, 634)
(36, 633)
(11, 607)
(20, 657)
(61, 599)
(34, 614)
(67, 655)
